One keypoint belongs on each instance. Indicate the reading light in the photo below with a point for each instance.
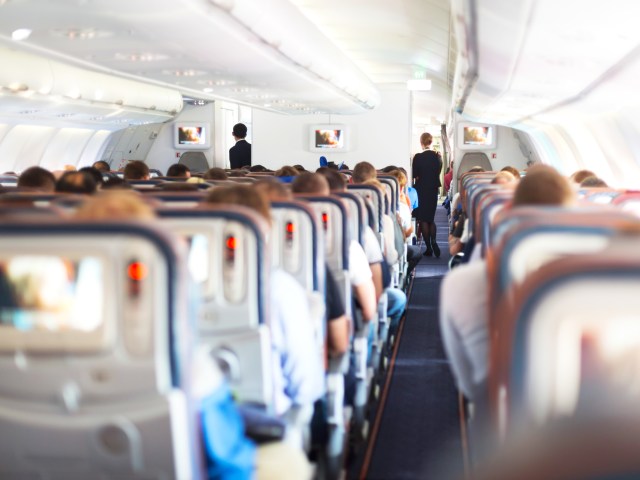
(419, 85)
(137, 271)
(20, 34)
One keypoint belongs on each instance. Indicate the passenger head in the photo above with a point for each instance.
(243, 195)
(95, 173)
(37, 178)
(239, 130)
(258, 169)
(580, 175)
(513, 171)
(389, 168)
(286, 171)
(300, 168)
(179, 170)
(543, 185)
(476, 169)
(76, 182)
(310, 183)
(400, 176)
(593, 181)
(136, 170)
(426, 139)
(115, 204)
(273, 189)
(336, 180)
(101, 166)
(116, 183)
(215, 174)
(363, 171)
(503, 177)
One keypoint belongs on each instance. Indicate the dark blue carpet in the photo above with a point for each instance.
(419, 433)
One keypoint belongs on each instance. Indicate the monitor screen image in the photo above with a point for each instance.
(329, 139)
(191, 135)
(53, 294)
(478, 135)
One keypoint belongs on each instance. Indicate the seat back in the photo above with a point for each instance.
(393, 190)
(94, 353)
(569, 352)
(374, 196)
(195, 161)
(358, 214)
(228, 261)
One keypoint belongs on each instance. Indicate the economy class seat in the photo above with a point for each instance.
(374, 197)
(94, 353)
(228, 262)
(538, 239)
(572, 337)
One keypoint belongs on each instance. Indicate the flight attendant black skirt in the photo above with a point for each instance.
(427, 203)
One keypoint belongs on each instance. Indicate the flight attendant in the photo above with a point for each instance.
(426, 179)
(240, 153)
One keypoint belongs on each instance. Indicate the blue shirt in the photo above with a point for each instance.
(413, 197)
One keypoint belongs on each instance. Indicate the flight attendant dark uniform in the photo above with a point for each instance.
(426, 177)
(240, 154)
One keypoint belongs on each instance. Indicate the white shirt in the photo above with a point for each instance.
(464, 326)
(297, 370)
(359, 270)
(372, 246)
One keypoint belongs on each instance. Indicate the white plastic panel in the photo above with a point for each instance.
(65, 148)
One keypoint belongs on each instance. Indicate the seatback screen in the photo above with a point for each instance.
(51, 294)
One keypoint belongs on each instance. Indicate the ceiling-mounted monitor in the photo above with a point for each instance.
(477, 136)
(328, 138)
(191, 135)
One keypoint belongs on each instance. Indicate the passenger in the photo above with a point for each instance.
(503, 177)
(464, 292)
(299, 376)
(136, 170)
(513, 171)
(76, 182)
(286, 171)
(580, 175)
(338, 325)
(365, 272)
(273, 189)
(427, 166)
(336, 180)
(240, 153)
(448, 177)
(364, 171)
(300, 168)
(115, 204)
(116, 183)
(37, 179)
(102, 166)
(593, 181)
(404, 219)
(95, 173)
(179, 170)
(215, 174)
(258, 169)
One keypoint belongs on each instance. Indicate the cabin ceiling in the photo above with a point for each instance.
(294, 57)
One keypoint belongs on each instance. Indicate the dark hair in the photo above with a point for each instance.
(389, 168)
(286, 171)
(258, 168)
(312, 183)
(95, 173)
(102, 165)
(336, 180)
(215, 173)
(136, 170)
(76, 182)
(240, 130)
(300, 168)
(114, 182)
(178, 170)
(37, 178)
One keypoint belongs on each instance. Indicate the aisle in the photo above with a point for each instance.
(419, 431)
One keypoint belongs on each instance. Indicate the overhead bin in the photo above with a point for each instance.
(37, 86)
